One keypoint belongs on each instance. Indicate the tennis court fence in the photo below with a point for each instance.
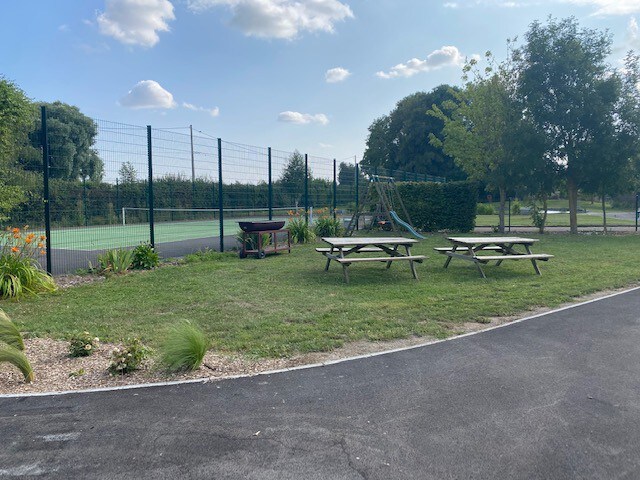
(114, 185)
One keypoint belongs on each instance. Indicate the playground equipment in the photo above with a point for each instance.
(383, 193)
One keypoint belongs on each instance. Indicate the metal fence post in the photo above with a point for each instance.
(152, 237)
(509, 214)
(335, 190)
(220, 197)
(84, 201)
(357, 191)
(637, 212)
(45, 195)
(306, 188)
(270, 186)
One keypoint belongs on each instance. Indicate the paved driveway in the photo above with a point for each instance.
(552, 397)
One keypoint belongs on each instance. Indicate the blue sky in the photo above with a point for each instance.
(305, 74)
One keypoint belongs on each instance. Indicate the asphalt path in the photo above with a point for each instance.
(552, 397)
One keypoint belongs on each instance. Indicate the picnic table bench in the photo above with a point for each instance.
(341, 250)
(467, 248)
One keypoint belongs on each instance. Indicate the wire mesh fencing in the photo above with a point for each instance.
(109, 185)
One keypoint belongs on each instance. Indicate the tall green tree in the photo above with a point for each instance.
(293, 177)
(72, 136)
(570, 92)
(16, 117)
(128, 173)
(400, 140)
(486, 132)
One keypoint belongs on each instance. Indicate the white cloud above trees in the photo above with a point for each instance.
(214, 112)
(336, 75)
(284, 19)
(148, 94)
(136, 22)
(447, 56)
(602, 7)
(303, 118)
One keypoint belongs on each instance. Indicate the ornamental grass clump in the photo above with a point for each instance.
(12, 346)
(299, 228)
(83, 345)
(118, 260)
(128, 358)
(20, 272)
(184, 348)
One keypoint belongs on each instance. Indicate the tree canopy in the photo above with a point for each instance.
(400, 140)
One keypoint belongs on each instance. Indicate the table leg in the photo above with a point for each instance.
(326, 268)
(412, 265)
(345, 272)
(480, 269)
(506, 250)
(395, 249)
(533, 261)
(448, 260)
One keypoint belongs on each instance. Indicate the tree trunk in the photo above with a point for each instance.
(604, 216)
(572, 191)
(503, 200)
(544, 215)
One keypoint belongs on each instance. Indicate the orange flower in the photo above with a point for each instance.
(40, 245)
(28, 240)
(43, 237)
(15, 230)
(31, 236)
(16, 235)
(15, 249)
(42, 252)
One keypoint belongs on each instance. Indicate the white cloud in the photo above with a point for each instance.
(338, 74)
(325, 145)
(214, 112)
(303, 118)
(280, 18)
(136, 22)
(447, 56)
(610, 7)
(603, 7)
(63, 28)
(148, 94)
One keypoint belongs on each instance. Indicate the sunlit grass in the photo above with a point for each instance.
(287, 303)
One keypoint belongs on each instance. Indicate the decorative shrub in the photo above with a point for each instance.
(20, 272)
(299, 228)
(327, 226)
(115, 261)
(145, 257)
(440, 206)
(83, 345)
(12, 346)
(128, 358)
(515, 207)
(184, 348)
(485, 209)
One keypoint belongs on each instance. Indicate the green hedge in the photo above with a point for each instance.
(440, 206)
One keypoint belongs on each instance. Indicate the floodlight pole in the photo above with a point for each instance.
(45, 168)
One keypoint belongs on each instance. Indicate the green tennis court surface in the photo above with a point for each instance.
(115, 236)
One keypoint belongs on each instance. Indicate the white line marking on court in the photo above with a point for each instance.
(60, 437)
(315, 365)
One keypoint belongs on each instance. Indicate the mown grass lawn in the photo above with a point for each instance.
(553, 220)
(287, 304)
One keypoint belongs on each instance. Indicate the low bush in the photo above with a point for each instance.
(206, 255)
(145, 257)
(128, 358)
(485, 209)
(184, 348)
(20, 272)
(118, 260)
(83, 345)
(516, 208)
(12, 346)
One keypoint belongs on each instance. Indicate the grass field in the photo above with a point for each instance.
(286, 303)
(553, 220)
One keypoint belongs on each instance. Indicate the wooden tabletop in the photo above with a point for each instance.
(355, 241)
(491, 240)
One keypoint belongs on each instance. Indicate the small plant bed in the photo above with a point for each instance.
(310, 315)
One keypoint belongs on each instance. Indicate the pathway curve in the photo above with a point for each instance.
(556, 396)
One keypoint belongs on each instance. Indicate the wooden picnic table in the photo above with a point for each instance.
(342, 250)
(468, 248)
